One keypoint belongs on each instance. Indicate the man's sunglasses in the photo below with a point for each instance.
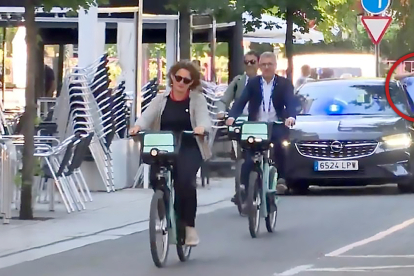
(185, 80)
(252, 62)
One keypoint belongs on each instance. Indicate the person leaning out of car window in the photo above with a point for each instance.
(407, 79)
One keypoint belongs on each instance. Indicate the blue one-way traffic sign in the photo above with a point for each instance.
(375, 6)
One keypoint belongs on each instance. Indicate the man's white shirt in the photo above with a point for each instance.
(269, 113)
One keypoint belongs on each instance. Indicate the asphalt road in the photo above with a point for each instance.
(309, 228)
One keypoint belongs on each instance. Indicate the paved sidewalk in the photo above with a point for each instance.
(108, 216)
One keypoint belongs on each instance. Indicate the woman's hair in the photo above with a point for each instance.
(189, 66)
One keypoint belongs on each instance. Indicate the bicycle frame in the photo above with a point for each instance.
(165, 174)
(262, 166)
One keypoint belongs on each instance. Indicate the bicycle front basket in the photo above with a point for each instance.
(163, 142)
(257, 130)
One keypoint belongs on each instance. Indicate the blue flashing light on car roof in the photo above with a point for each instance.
(334, 108)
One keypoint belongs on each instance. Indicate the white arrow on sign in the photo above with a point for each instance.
(376, 26)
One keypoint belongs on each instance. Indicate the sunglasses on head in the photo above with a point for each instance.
(184, 80)
(252, 62)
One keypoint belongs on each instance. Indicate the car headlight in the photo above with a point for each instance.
(285, 143)
(398, 140)
(250, 140)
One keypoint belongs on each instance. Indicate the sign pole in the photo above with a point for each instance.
(377, 60)
(376, 24)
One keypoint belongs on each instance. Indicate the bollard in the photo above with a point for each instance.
(8, 172)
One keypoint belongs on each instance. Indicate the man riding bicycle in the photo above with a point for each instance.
(237, 85)
(235, 88)
(270, 98)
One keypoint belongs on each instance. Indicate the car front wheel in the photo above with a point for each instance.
(406, 187)
(298, 187)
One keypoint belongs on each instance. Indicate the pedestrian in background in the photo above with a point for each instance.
(306, 72)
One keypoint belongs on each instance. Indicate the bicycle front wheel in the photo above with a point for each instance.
(253, 203)
(183, 251)
(158, 229)
(271, 202)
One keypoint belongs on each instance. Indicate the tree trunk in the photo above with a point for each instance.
(185, 33)
(40, 72)
(235, 50)
(289, 42)
(26, 211)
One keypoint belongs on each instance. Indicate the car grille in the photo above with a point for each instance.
(331, 149)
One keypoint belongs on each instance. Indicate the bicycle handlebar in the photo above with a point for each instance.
(206, 133)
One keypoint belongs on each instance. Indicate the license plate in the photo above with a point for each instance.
(336, 166)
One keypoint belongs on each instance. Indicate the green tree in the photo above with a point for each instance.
(29, 115)
(300, 12)
(397, 41)
(222, 10)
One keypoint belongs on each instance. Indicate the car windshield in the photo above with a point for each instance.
(350, 99)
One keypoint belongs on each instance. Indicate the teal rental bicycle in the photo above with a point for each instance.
(160, 149)
(261, 195)
(234, 133)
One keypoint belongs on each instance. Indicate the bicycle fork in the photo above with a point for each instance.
(262, 167)
(169, 198)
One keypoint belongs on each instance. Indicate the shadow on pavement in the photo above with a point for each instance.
(385, 190)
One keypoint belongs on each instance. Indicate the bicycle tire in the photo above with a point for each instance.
(272, 215)
(183, 251)
(254, 194)
(239, 196)
(158, 209)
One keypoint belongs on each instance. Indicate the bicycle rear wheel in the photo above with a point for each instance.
(183, 251)
(159, 231)
(253, 204)
(271, 202)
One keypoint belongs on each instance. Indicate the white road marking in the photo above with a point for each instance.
(294, 271)
(358, 269)
(376, 237)
(376, 256)
(112, 234)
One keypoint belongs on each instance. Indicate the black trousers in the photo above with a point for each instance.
(279, 133)
(188, 163)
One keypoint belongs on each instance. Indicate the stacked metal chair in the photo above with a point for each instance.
(84, 107)
(62, 164)
(120, 111)
(212, 92)
(149, 91)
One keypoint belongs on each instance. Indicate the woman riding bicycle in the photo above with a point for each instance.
(183, 108)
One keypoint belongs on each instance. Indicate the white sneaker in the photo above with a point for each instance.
(281, 187)
(191, 236)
